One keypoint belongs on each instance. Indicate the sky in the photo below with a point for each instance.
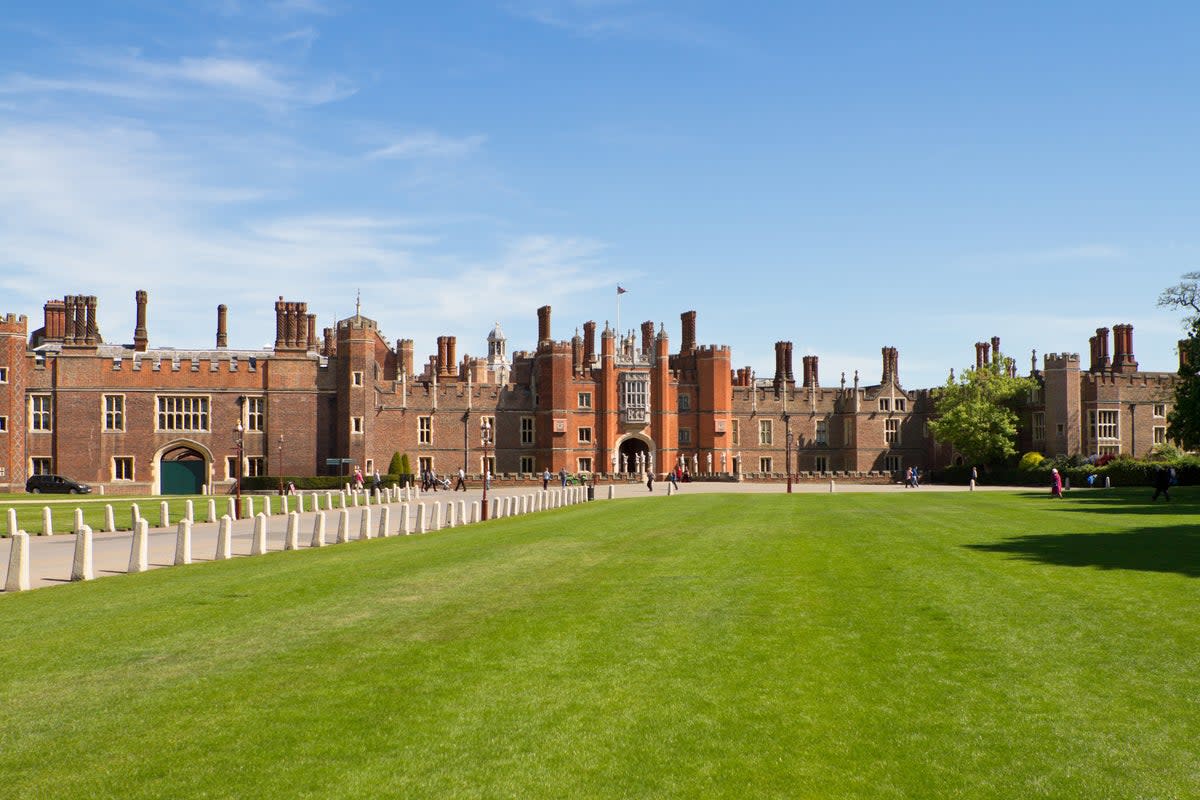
(844, 176)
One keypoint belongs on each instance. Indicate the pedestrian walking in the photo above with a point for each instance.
(1055, 483)
(650, 480)
(1162, 484)
(546, 479)
(462, 480)
(562, 476)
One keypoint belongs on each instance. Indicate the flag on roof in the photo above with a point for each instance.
(620, 290)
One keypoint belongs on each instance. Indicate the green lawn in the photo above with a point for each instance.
(874, 646)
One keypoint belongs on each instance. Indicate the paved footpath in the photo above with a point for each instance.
(51, 557)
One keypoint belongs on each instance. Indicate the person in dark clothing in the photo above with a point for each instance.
(1162, 484)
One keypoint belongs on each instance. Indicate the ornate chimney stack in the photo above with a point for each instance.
(330, 346)
(1124, 361)
(141, 339)
(787, 363)
(779, 369)
(451, 363)
(589, 343)
(311, 344)
(222, 329)
(280, 323)
(688, 343)
(891, 365)
(543, 325)
(995, 349)
(1102, 358)
(92, 334)
(648, 338)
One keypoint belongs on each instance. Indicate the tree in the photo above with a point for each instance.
(395, 465)
(1183, 421)
(977, 413)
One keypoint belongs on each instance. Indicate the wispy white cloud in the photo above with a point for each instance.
(108, 210)
(429, 144)
(628, 19)
(1082, 252)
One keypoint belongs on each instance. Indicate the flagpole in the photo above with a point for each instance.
(618, 312)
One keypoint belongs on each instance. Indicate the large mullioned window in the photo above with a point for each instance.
(177, 412)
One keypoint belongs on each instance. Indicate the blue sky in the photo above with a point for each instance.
(842, 175)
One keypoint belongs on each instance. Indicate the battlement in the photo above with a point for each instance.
(1062, 361)
(14, 324)
(715, 350)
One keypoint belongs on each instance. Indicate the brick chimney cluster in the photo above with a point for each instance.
(811, 379)
(79, 320)
(292, 322)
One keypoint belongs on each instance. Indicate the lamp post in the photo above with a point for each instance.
(485, 438)
(280, 462)
(787, 421)
(237, 486)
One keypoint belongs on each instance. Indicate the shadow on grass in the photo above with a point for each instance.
(1170, 548)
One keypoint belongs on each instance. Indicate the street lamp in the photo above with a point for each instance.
(237, 487)
(787, 421)
(280, 462)
(485, 438)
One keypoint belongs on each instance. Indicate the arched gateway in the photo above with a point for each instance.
(182, 469)
(628, 451)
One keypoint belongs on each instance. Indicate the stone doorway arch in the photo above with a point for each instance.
(629, 447)
(182, 468)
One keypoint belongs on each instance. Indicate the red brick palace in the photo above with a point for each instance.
(135, 418)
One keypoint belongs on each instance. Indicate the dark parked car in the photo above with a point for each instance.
(55, 484)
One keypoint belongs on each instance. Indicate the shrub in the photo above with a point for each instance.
(396, 465)
(1031, 461)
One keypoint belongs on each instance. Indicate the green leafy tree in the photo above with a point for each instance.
(405, 467)
(977, 412)
(1183, 421)
(395, 465)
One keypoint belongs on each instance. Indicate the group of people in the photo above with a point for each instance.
(912, 478)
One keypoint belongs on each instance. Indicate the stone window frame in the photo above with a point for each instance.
(821, 464)
(1038, 426)
(585, 399)
(112, 407)
(231, 468)
(356, 378)
(583, 464)
(1160, 410)
(1160, 434)
(3, 424)
(118, 472)
(487, 464)
(1104, 424)
(424, 464)
(356, 426)
(891, 463)
(254, 413)
(900, 405)
(766, 433)
(585, 435)
(256, 467)
(41, 420)
(528, 431)
(685, 402)
(821, 431)
(735, 434)
(891, 432)
(685, 436)
(45, 463)
(3, 374)
(764, 464)
(425, 429)
(885, 404)
(202, 413)
(526, 463)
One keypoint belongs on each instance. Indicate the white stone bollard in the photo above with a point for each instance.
(475, 511)
(354, 498)
(669, 491)
(451, 517)
(283, 505)
(18, 564)
(292, 540)
(139, 550)
(612, 491)
(212, 510)
(462, 512)
(341, 499)
(231, 508)
(258, 542)
(831, 485)
(1107, 482)
(164, 515)
(250, 508)
(329, 501)
(189, 511)
(364, 524)
(12, 522)
(224, 538)
(300, 503)
(385, 522)
(971, 485)
(183, 542)
(47, 522)
(420, 518)
(82, 568)
(318, 537)
(437, 516)
(343, 534)
(78, 526)
(135, 514)
(110, 522)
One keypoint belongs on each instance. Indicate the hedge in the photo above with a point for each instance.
(267, 483)
(1120, 472)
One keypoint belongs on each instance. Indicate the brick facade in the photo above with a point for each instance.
(122, 415)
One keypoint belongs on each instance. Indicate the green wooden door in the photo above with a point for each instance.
(182, 477)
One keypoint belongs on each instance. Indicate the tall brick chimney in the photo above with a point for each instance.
(141, 339)
(1102, 358)
(810, 372)
(891, 365)
(589, 343)
(280, 323)
(688, 340)
(787, 363)
(543, 324)
(222, 323)
(648, 337)
(92, 334)
(995, 349)
(311, 344)
(780, 347)
(404, 352)
(1123, 360)
(451, 363)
